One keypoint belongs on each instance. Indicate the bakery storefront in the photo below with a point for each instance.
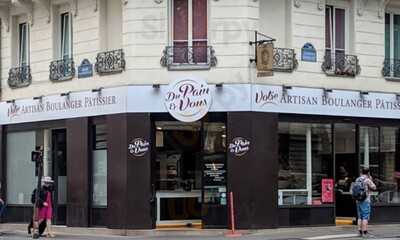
(143, 157)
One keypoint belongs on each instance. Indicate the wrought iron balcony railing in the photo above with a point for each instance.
(110, 62)
(188, 57)
(19, 77)
(391, 68)
(340, 64)
(61, 70)
(284, 60)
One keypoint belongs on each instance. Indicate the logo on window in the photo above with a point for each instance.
(188, 99)
(139, 147)
(239, 146)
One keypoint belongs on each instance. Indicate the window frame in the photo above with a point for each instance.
(61, 43)
(23, 62)
(333, 26)
(190, 23)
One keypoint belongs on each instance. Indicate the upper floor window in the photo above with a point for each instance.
(336, 61)
(189, 36)
(391, 68)
(66, 36)
(23, 44)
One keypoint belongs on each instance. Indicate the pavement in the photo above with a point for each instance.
(384, 232)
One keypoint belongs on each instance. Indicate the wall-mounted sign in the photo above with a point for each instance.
(239, 146)
(188, 99)
(308, 53)
(139, 147)
(85, 69)
(327, 190)
(265, 57)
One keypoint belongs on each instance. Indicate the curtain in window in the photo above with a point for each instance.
(387, 35)
(181, 30)
(199, 31)
(66, 48)
(23, 44)
(335, 40)
(396, 31)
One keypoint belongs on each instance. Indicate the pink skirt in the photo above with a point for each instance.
(46, 213)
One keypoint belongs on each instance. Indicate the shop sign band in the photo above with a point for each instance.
(188, 99)
(239, 146)
(139, 147)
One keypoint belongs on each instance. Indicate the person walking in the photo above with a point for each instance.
(361, 192)
(46, 212)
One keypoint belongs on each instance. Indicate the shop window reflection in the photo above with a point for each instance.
(305, 160)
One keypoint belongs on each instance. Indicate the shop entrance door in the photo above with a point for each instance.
(346, 170)
(59, 167)
(214, 207)
(189, 174)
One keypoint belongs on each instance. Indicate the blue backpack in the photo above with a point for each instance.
(359, 190)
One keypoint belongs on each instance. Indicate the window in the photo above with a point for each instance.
(190, 31)
(66, 36)
(392, 43)
(379, 147)
(305, 161)
(21, 178)
(23, 44)
(99, 166)
(334, 32)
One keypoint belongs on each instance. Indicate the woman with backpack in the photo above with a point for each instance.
(361, 192)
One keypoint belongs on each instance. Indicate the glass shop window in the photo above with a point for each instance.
(379, 150)
(99, 166)
(305, 164)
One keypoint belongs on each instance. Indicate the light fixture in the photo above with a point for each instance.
(326, 92)
(156, 86)
(285, 89)
(40, 98)
(67, 94)
(97, 90)
(398, 96)
(219, 85)
(159, 128)
(11, 101)
(363, 94)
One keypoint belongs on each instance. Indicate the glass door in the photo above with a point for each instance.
(59, 150)
(214, 190)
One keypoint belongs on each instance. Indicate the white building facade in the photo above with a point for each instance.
(151, 112)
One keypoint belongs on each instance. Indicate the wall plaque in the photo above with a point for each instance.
(85, 69)
(139, 147)
(239, 146)
(308, 53)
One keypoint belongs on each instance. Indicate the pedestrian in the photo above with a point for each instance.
(46, 212)
(361, 192)
(44, 207)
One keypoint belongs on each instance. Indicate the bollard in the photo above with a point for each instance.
(233, 232)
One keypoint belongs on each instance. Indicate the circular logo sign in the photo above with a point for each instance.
(139, 147)
(188, 99)
(239, 146)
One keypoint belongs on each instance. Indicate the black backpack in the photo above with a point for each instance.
(359, 190)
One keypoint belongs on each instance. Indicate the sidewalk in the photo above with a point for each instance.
(306, 233)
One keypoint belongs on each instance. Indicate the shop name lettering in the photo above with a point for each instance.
(88, 102)
(187, 97)
(139, 147)
(271, 97)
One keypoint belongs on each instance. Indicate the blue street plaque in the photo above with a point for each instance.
(308, 53)
(85, 69)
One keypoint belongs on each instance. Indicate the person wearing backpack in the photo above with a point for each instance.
(361, 192)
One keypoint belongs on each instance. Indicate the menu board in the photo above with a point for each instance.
(214, 171)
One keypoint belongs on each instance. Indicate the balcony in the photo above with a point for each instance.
(62, 70)
(19, 77)
(340, 64)
(188, 58)
(391, 69)
(110, 62)
(284, 60)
